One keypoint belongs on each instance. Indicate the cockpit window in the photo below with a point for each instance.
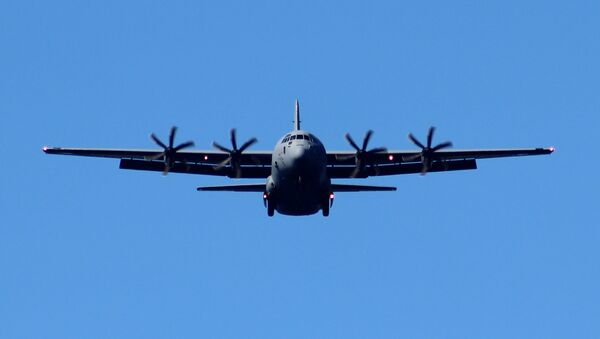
(308, 137)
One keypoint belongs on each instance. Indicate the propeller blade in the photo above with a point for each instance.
(237, 171)
(362, 156)
(233, 139)
(234, 154)
(430, 136)
(169, 152)
(184, 145)
(351, 141)
(221, 148)
(172, 136)
(413, 157)
(157, 140)
(366, 140)
(442, 145)
(248, 144)
(222, 163)
(415, 141)
(158, 156)
(427, 154)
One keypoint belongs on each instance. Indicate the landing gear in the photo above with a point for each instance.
(270, 208)
(269, 204)
(327, 203)
(325, 209)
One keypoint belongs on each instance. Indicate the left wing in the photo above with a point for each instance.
(253, 164)
(360, 188)
(344, 165)
(236, 188)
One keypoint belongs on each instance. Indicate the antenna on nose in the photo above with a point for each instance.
(297, 116)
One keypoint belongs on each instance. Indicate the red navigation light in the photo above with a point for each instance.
(265, 195)
(331, 196)
(552, 149)
(45, 148)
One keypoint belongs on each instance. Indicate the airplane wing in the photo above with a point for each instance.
(253, 164)
(236, 188)
(359, 188)
(344, 164)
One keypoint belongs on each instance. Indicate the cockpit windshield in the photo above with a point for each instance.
(291, 137)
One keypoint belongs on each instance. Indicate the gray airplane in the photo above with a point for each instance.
(299, 170)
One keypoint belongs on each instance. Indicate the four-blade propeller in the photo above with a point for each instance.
(362, 156)
(234, 154)
(427, 152)
(169, 151)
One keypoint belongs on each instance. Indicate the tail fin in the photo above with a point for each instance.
(297, 116)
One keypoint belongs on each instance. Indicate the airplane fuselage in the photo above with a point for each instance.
(298, 184)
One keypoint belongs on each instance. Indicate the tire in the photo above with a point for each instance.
(270, 208)
(325, 209)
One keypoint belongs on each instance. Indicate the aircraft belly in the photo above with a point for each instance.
(299, 200)
(301, 185)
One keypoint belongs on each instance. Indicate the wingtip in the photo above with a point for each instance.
(45, 149)
(552, 149)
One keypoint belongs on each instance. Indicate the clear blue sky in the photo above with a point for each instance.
(508, 251)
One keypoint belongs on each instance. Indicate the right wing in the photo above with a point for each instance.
(254, 164)
(235, 188)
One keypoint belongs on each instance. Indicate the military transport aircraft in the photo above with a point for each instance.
(299, 170)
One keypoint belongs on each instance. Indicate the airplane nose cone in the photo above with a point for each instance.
(298, 154)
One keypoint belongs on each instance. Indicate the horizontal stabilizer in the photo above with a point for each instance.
(235, 188)
(359, 188)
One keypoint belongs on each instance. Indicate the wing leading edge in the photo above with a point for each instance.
(343, 164)
(254, 164)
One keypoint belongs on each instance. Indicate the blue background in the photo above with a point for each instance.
(90, 251)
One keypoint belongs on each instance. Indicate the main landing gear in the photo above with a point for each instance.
(327, 204)
(269, 204)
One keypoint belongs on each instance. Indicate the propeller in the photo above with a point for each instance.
(168, 152)
(362, 156)
(427, 152)
(234, 154)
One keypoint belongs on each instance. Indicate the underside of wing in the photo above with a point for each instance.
(251, 164)
(346, 164)
(247, 172)
(360, 188)
(400, 168)
(235, 188)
